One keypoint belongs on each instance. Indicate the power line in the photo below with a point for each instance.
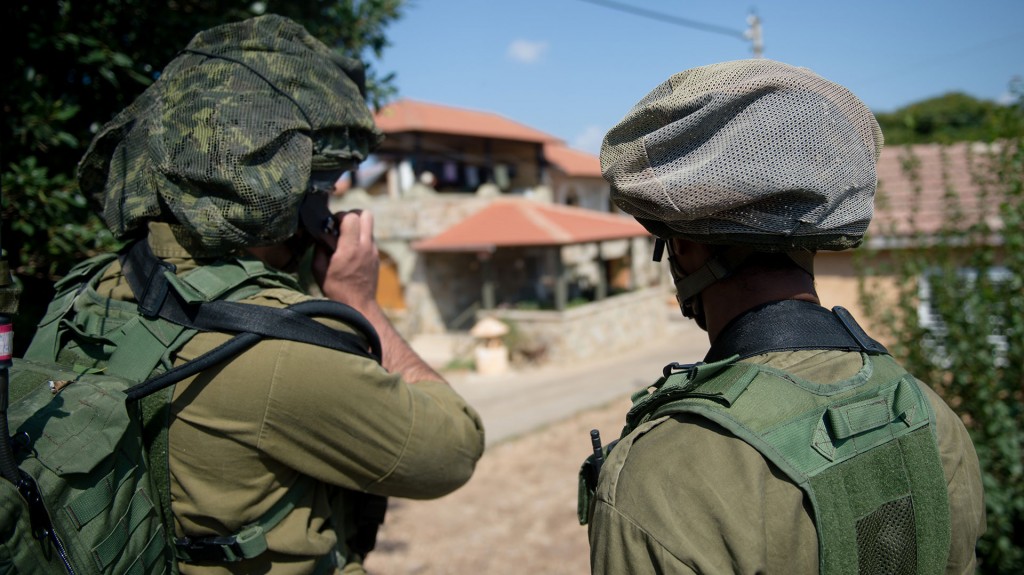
(668, 18)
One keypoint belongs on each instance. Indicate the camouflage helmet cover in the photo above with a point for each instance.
(222, 145)
(752, 152)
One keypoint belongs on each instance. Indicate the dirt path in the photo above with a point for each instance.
(516, 515)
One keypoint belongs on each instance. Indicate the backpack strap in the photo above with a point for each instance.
(237, 344)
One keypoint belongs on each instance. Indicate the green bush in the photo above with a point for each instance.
(948, 118)
(968, 281)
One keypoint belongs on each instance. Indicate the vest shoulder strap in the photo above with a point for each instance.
(800, 426)
(45, 344)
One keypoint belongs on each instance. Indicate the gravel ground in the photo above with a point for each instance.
(516, 515)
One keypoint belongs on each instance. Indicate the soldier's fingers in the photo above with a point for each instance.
(366, 228)
(350, 228)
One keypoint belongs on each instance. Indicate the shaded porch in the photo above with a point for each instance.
(528, 255)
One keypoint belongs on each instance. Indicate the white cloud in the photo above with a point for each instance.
(1006, 98)
(526, 51)
(589, 140)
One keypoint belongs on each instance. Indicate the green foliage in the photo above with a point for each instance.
(949, 118)
(974, 354)
(523, 348)
(55, 205)
(459, 364)
(356, 26)
(75, 64)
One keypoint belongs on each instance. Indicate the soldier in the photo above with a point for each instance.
(798, 445)
(279, 459)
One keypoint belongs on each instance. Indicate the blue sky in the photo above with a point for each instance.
(572, 68)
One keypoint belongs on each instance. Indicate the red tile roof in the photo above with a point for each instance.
(508, 222)
(897, 204)
(573, 162)
(413, 116)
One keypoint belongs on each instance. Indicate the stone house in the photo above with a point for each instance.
(480, 216)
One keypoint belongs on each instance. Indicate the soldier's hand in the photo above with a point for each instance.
(349, 275)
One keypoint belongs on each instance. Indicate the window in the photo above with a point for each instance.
(947, 304)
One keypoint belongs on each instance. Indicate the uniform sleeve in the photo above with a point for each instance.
(346, 421)
(334, 416)
(617, 546)
(681, 495)
(623, 535)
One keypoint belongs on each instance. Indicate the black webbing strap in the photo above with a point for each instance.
(791, 325)
(145, 275)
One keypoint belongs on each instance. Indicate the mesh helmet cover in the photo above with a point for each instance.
(750, 152)
(221, 146)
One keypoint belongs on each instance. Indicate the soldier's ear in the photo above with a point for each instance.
(688, 255)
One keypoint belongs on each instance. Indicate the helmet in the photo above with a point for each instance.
(749, 156)
(225, 144)
(750, 152)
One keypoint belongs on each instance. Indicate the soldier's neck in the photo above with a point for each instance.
(730, 298)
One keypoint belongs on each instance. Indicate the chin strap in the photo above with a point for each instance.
(719, 266)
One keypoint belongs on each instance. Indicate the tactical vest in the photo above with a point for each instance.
(86, 332)
(864, 451)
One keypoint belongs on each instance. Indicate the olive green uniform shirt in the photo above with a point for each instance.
(682, 495)
(245, 432)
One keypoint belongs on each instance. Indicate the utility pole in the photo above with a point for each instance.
(753, 34)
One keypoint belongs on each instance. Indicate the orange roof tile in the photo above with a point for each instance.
(898, 205)
(508, 222)
(573, 162)
(413, 116)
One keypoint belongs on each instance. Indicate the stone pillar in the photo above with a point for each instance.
(487, 277)
(561, 282)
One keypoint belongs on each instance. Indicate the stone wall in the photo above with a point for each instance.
(590, 330)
